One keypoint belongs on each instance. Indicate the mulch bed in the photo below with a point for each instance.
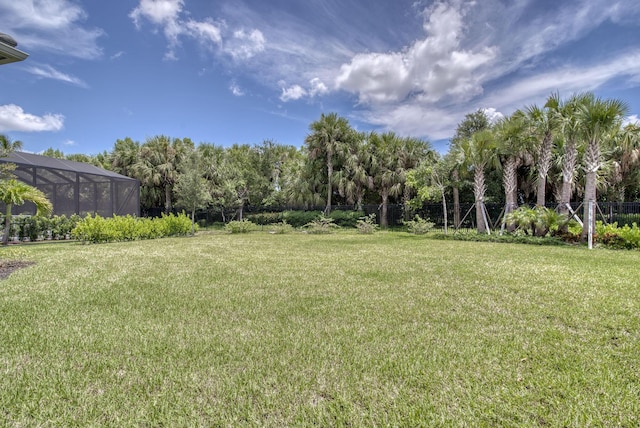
(7, 267)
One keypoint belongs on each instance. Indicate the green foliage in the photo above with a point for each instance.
(625, 237)
(346, 219)
(474, 236)
(281, 228)
(300, 218)
(321, 225)
(367, 225)
(97, 229)
(545, 220)
(265, 218)
(240, 226)
(418, 226)
(61, 226)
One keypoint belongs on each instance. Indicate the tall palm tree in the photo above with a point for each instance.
(476, 154)
(354, 179)
(157, 165)
(598, 117)
(328, 136)
(541, 121)
(570, 127)
(14, 192)
(512, 143)
(125, 154)
(625, 155)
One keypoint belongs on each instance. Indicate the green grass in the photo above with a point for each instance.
(320, 330)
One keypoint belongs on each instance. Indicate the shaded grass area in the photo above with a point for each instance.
(323, 330)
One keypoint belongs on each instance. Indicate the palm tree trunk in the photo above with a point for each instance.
(384, 222)
(592, 164)
(510, 180)
(327, 209)
(479, 189)
(167, 199)
(456, 198)
(7, 225)
(444, 209)
(544, 163)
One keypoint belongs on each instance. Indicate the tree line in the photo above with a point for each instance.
(567, 150)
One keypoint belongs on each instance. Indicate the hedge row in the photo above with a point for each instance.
(347, 219)
(115, 229)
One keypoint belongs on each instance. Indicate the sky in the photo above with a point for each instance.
(245, 71)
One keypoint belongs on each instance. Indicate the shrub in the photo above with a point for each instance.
(367, 225)
(240, 226)
(300, 218)
(419, 226)
(545, 220)
(625, 237)
(321, 225)
(97, 229)
(265, 218)
(281, 228)
(346, 219)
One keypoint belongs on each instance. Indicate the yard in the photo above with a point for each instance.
(320, 330)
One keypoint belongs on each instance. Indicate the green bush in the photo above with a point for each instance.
(545, 220)
(517, 238)
(240, 226)
(300, 218)
(419, 226)
(97, 229)
(265, 218)
(346, 219)
(611, 236)
(281, 228)
(321, 225)
(367, 225)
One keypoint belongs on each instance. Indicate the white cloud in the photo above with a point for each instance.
(631, 120)
(317, 87)
(14, 118)
(431, 68)
(171, 17)
(294, 92)
(244, 45)
(48, 72)
(69, 143)
(53, 25)
(492, 114)
(236, 89)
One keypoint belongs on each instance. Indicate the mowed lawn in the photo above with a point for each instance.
(306, 330)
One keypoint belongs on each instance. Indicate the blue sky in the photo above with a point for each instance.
(244, 71)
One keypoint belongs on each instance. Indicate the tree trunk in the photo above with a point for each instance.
(193, 221)
(510, 182)
(444, 209)
(456, 198)
(544, 163)
(592, 165)
(327, 210)
(167, 199)
(7, 225)
(384, 223)
(479, 189)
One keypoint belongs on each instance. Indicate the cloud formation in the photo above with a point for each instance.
(48, 72)
(14, 118)
(170, 16)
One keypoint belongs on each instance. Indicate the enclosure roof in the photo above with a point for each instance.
(33, 160)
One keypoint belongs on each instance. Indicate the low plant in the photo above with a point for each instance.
(265, 218)
(280, 228)
(346, 219)
(625, 237)
(540, 220)
(321, 225)
(418, 226)
(240, 226)
(367, 225)
(300, 218)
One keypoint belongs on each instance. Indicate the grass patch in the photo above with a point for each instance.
(320, 330)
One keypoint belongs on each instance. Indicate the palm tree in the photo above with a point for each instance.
(7, 146)
(157, 165)
(472, 123)
(626, 159)
(328, 136)
(541, 121)
(14, 192)
(597, 118)
(125, 154)
(476, 153)
(512, 143)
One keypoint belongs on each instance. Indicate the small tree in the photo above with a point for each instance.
(191, 188)
(14, 192)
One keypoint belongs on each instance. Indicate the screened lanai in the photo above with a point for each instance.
(76, 187)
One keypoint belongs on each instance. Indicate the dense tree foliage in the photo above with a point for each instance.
(566, 151)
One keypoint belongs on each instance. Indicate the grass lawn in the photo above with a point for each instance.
(320, 330)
